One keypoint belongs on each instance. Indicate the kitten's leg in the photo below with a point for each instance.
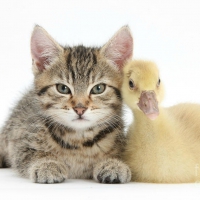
(112, 171)
(1, 160)
(1, 154)
(40, 167)
(4, 161)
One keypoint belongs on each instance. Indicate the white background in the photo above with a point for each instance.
(165, 31)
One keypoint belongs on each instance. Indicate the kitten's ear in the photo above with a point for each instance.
(119, 48)
(44, 49)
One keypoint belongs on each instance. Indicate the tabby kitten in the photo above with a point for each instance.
(69, 125)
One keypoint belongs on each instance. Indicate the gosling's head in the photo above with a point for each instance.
(142, 88)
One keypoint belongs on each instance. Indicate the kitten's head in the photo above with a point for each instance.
(79, 87)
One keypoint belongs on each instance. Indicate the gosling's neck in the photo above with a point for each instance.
(147, 129)
(140, 117)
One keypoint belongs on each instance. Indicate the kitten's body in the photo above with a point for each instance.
(53, 135)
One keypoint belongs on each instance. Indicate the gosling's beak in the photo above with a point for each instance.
(149, 104)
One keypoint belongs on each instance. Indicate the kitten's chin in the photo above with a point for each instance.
(80, 124)
(76, 124)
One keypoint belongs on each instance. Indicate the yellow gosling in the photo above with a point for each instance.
(163, 143)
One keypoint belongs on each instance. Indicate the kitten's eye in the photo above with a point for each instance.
(63, 89)
(131, 84)
(98, 89)
(158, 83)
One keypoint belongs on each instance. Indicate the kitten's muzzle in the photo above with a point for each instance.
(80, 110)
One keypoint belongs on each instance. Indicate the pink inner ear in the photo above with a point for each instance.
(43, 48)
(125, 50)
(120, 47)
(39, 60)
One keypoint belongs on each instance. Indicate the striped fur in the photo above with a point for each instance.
(45, 138)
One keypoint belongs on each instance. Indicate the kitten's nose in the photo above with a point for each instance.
(80, 110)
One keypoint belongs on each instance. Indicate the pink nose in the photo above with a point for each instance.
(80, 111)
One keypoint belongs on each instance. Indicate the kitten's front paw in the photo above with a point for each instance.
(112, 171)
(48, 172)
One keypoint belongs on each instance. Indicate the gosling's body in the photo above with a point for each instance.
(167, 149)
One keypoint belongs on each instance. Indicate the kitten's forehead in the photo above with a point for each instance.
(80, 60)
(84, 65)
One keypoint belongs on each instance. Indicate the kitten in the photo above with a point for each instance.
(69, 125)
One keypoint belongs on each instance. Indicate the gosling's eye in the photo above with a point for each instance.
(158, 84)
(98, 89)
(131, 84)
(63, 89)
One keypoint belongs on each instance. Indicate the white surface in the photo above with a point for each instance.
(167, 32)
(14, 187)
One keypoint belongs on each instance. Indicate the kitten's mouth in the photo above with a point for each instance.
(79, 119)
